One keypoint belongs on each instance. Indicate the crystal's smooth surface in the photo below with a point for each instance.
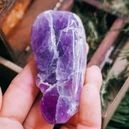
(59, 45)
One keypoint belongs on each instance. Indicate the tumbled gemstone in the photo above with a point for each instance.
(59, 46)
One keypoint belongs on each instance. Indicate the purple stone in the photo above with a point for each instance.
(59, 45)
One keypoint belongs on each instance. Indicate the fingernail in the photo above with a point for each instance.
(0, 90)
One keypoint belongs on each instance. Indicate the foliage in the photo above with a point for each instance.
(118, 7)
(95, 23)
(113, 85)
(120, 119)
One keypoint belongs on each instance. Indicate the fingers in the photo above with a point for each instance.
(0, 98)
(20, 95)
(35, 120)
(6, 123)
(90, 106)
(93, 75)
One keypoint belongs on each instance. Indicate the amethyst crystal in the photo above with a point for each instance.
(59, 45)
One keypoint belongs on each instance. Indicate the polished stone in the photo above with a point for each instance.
(59, 45)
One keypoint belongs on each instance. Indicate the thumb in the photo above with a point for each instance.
(90, 106)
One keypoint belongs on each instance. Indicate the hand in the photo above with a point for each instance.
(89, 115)
(19, 110)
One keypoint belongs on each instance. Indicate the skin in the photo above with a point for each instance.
(19, 106)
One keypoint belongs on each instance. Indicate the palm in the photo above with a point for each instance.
(72, 123)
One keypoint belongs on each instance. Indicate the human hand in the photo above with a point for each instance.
(89, 115)
(19, 110)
